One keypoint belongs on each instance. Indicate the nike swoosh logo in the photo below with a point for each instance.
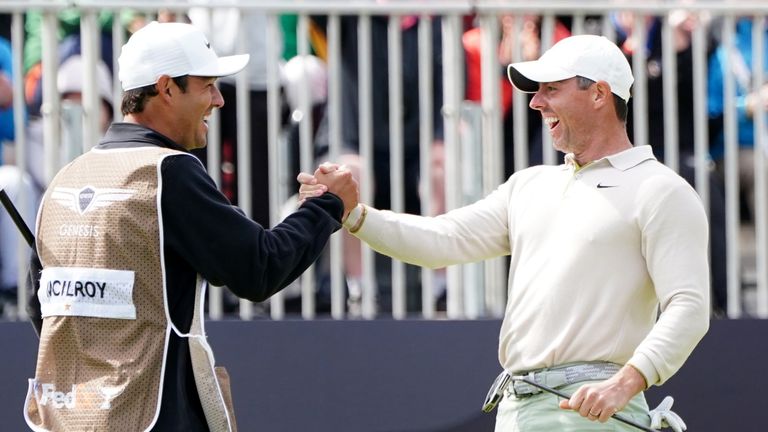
(602, 186)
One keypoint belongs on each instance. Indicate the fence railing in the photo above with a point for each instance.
(474, 136)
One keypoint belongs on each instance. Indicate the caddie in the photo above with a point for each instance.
(129, 234)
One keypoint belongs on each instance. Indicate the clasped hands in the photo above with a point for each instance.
(330, 177)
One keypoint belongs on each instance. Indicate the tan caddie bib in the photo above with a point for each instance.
(103, 300)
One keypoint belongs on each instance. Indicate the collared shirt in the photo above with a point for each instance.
(593, 255)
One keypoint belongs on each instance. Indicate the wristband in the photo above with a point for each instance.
(353, 215)
(359, 222)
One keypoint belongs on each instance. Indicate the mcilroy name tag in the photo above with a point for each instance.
(91, 292)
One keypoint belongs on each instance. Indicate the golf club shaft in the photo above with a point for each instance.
(17, 219)
(565, 396)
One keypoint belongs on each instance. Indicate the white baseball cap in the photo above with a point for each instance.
(172, 49)
(588, 56)
(71, 75)
(309, 68)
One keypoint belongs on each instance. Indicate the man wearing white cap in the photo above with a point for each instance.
(127, 236)
(597, 246)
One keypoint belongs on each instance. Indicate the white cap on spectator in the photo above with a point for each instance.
(172, 49)
(588, 56)
(72, 73)
(308, 69)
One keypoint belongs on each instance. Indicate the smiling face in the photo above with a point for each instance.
(192, 108)
(566, 110)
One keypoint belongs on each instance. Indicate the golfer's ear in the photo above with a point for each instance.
(164, 86)
(601, 93)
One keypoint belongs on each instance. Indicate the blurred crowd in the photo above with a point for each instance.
(519, 35)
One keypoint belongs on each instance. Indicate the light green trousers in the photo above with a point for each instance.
(542, 413)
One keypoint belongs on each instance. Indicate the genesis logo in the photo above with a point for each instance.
(89, 198)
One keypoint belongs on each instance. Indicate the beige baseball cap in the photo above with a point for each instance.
(172, 49)
(589, 56)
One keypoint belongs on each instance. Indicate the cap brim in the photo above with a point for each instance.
(225, 66)
(526, 76)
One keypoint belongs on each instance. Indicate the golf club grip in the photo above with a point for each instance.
(565, 396)
(17, 219)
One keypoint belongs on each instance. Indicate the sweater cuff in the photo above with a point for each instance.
(644, 365)
(330, 204)
(353, 217)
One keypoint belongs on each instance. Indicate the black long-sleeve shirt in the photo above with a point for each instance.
(204, 234)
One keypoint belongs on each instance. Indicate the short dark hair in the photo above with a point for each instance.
(134, 99)
(619, 104)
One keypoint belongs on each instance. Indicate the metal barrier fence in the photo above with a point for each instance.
(473, 133)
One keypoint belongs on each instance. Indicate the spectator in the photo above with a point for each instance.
(737, 62)
(13, 184)
(7, 133)
(69, 44)
(69, 82)
(317, 41)
(313, 71)
(12, 263)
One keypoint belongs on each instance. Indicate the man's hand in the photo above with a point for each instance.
(332, 178)
(599, 401)
(310, 187)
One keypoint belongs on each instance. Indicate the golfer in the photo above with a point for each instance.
(129, 233)
(597, 247)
